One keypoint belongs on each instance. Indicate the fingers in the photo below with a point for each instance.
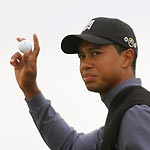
(18, 60)
(19, 39)
(36, 46)
(15, 59)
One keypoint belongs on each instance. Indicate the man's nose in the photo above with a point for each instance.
(86, 63)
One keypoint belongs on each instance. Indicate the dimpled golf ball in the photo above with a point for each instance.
(25, 46)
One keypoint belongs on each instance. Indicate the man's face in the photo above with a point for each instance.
(100, 66)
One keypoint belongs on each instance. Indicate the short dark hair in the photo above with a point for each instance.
(120, 49)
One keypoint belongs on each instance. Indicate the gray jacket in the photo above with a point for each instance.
(134, 132)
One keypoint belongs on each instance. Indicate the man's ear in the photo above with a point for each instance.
(127, 57)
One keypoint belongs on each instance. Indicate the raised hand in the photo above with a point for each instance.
(25, 66)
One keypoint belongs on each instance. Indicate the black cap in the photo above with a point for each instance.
(102, 31)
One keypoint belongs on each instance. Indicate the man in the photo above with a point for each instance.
(107, 49)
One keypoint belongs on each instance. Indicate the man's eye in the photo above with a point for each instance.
(95, 53)
(81, 56)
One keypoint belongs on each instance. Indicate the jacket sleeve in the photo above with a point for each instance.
(135, 129)
(56, 133)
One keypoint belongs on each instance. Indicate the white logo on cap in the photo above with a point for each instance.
(89, 25)
(130, 42)
(125, 39)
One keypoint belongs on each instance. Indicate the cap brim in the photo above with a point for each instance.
(70, 44)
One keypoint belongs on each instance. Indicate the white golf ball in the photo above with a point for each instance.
(25, 46)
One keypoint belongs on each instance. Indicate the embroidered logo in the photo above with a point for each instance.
(89, 25)
(130, 42)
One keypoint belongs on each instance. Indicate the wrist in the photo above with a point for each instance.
(30, 93)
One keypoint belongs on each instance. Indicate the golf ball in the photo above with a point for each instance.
(25, 46)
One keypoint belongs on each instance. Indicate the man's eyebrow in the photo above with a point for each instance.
(94, 48)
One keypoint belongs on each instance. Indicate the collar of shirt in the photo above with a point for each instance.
(112, 93)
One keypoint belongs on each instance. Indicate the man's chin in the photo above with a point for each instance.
(92, 89)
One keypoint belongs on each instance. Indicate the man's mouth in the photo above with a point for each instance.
(88, 77)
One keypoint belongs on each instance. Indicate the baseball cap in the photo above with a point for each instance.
(102, 31)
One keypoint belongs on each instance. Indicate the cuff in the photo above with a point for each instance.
(36, 102)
